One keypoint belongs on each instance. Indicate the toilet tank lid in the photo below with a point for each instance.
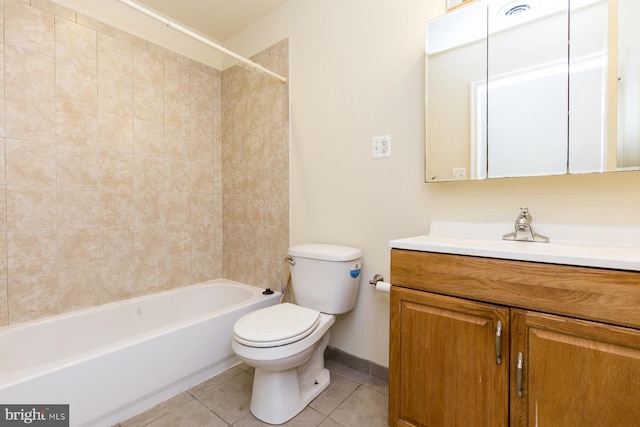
(325, 252)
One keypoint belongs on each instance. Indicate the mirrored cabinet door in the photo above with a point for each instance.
(532, 88)
(528, 88)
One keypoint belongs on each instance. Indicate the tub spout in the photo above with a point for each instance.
(523, 230)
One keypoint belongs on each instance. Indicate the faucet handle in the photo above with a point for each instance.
(524, 217)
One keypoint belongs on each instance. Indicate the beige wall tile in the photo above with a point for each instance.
(150, 243)
(201, 178)
(31, 208)
(202, 208)
(76, 125)
(176, 113)
(3, 167)
(178, 272)
(117, 282)
(178, 208)
(77, 167)
(29, 73)
(115, 94)
(115, 56)
(148, 173)
(116, 246)
(148, 138)
(204, 268)
(201, 86)
(148, 102)
(201, 147)
(108, 168)
(176, 82)
(116, 208)
(178, 240)
(150, 275)
(78, 207)
(115, 132)
(33, 297)
(4, 273)
(54, 8)
(29, 118)
(76, 45)
(149, 208)
(177, 176)
(78, 249)
(31, 253)
(115, 170)
(79, 289)
(174, 142)
(4, 303)
(28, 28)
(148, 67)
(76, 86)
(203, 239)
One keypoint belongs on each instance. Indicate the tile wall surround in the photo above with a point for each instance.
(111, 166)
(255, 167)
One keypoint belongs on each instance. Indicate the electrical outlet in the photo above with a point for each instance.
(381, 147)
(459, 173)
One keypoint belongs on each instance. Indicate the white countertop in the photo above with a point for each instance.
(591, 246)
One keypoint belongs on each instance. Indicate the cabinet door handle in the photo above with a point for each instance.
(499, 343)
(519, 374)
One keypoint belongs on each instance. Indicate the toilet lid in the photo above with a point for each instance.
(276, 325)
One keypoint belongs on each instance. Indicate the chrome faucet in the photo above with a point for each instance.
(523, 230)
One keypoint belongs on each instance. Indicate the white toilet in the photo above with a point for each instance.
(285, 343)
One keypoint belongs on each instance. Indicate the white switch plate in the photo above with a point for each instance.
(381, 147)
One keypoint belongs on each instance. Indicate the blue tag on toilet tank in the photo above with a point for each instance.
(355, 270)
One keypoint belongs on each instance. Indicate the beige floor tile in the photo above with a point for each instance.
(365, 407)
(157, 411)
(193, 414)
(230, 399)
(214, 382)
(352, 399)
(345, 371)
(339, 389)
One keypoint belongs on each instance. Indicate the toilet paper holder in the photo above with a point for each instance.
(377, 278)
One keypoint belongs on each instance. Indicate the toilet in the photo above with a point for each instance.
(285, 343)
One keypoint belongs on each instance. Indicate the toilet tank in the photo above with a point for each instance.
(325, 277)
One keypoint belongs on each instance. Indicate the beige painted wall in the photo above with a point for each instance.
(356, 71)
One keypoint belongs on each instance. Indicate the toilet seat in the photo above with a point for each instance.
(276, 325)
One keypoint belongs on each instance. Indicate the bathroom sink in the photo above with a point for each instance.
(592, 246)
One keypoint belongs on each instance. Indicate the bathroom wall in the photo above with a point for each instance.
(357, 71)
(110, 164)
(255, 166)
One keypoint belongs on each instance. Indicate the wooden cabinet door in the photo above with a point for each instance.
(575, 373)
(443, 365)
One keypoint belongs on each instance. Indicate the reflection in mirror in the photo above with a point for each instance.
(546, 106)
(456, 55)
(526, 129)
(588, 111)
(628, 81)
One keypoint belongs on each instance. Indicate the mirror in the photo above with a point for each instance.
(507, 95)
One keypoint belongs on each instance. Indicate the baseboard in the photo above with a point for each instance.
(357, 363)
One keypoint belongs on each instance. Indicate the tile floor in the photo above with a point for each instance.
(353, 399)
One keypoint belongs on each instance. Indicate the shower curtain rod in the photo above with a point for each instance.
(201, 39)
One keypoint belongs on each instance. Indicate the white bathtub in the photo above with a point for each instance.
(113, 361)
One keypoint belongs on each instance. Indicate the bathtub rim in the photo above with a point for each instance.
(13, 377)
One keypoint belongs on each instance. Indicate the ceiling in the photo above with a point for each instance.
(216, 19)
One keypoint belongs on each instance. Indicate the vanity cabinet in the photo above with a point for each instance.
(489, 342)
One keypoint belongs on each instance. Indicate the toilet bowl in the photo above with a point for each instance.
(287, 376)
(285, 343)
